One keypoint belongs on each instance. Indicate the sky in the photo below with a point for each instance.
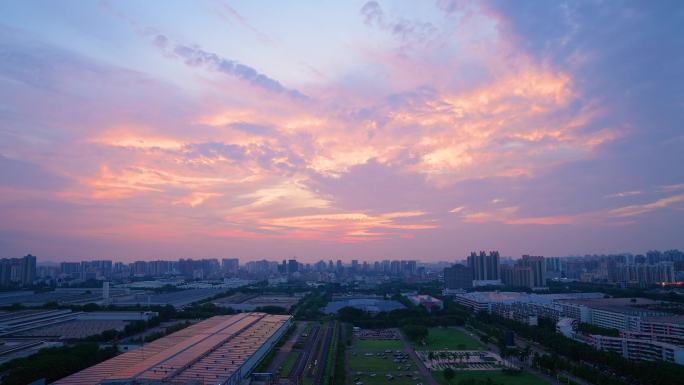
(340, 129)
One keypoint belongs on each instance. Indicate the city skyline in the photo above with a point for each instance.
(458, 259)
(356, 130)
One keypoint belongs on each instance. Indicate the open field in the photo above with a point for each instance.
(497, 376)
(378, 344)
(371, 370)
(449, 338)
(361, 363)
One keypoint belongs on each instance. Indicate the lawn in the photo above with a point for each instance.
(289, 362)
(449, 338)
(378, 344)
(361, 363)
(497, 376)
(379, 366)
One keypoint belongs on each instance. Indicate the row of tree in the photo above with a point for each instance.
(581, 359)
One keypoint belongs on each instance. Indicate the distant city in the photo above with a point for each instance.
(628, 305)
(475, 270)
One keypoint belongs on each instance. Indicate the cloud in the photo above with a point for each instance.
(229, 13)
(671, 187)
(21, 174)
(640, 209)
(194, 56)
(623, 194)
(349, 227)
(407, 31)
(195, 199)
(513, 216)
(471, 126)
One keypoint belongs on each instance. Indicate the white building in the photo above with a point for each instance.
(611, 313)
(640, 349)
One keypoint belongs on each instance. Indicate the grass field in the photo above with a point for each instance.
(377, 365)
(361, 363)
(380, 367)
(289, 362)
(497, 376)
(449, 338)
(379, 344)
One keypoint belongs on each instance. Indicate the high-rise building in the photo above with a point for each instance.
(553, 264)
(536, 263)
(18, 271)
(458, 277)
(517, 276)
(411, 267)
(354, 265)
(292, 266)
(395, 267)
(485, 267)
(644, 274)
(159, 268)
(230, 266)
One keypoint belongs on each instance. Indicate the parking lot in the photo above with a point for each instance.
(381, 361)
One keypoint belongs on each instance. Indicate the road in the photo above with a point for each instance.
(424, 371)
(322, 354)
(284, 350)
(299, 367)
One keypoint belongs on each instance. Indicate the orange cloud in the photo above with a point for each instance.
(508, 215)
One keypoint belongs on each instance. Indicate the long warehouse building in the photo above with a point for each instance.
(221, 350)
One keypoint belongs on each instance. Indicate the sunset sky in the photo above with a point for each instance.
(340, 129)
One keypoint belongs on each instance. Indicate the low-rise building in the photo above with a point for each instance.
(429, 302)
(220, 350)
(640, 349)
(611, 313)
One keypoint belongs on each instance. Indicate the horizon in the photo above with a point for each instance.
(417, 130)
(305, 260)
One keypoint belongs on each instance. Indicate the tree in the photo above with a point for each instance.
(415, 332)
(449, 374)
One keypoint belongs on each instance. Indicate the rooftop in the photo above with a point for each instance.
(672, 319)
(618, 305)
(513, 297)
(208, 352)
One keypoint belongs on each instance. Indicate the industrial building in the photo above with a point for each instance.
(369, 303)
(24, 332)
(640, 349)
(522, 307)
(65, 324)
(62, 296)
(178, 298)
(612, 313)
(252, 302)
(428, 301)
(221, 350)
(483, 300)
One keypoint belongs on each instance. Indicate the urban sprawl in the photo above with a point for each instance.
(483, 319)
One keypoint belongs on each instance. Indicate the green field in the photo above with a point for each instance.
(361, 363)
(497, 376)
(448, 338)
(378, 365)
(289, 362)
(378, 344)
